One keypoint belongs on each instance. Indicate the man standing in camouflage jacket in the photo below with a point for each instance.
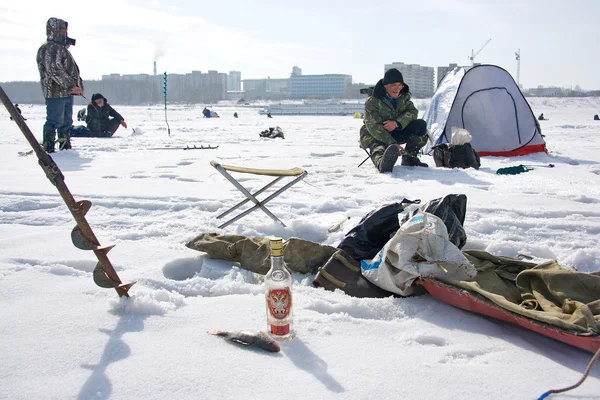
(391, 120)
(59, 76)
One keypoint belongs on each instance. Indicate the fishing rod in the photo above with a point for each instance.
(202, 147)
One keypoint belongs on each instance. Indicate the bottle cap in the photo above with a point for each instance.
(277, 247)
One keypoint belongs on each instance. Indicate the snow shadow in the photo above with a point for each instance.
(443, 176)
(305, 359)
(68, 160)
(98, 385)
(461, 320)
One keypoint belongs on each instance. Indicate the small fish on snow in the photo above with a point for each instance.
(258, 339)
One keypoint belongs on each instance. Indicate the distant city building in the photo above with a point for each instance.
(266, 89)
(547, 91)
(296, 71)
(270, 85)
(235, 95)
(194, 87)
(420, 79)
(234, 81)
(320, 86)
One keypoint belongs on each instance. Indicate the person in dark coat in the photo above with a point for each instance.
(541, 117)
(19, 111)
(235, 115)
(99, 120)
(81, 115)
(60, 80)
(596, 117)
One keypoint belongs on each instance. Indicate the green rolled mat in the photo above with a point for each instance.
(519, 169)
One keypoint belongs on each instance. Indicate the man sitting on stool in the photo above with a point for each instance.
(391, 120)
(98, 117)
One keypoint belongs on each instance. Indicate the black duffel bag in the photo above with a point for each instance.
(456, 156)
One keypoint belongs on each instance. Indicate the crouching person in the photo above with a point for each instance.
(102, 120)
(391, 120)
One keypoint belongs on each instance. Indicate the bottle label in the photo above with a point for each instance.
(280, 330)
(279, 302)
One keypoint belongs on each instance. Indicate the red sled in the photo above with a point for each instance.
(473, 302)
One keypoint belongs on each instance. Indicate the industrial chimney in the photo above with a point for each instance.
(154, 67)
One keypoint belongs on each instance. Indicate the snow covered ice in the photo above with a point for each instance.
(63, 337)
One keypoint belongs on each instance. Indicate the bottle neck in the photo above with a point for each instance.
(277, 262)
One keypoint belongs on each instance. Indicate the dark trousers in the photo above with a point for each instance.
(107, 126)
(414, 135)
(59, 114)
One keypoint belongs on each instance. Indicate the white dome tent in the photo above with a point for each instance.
(486, 101)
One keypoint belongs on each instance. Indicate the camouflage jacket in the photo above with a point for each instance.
(378, 110)
(59, 72)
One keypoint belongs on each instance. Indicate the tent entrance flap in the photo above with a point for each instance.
(492, 114)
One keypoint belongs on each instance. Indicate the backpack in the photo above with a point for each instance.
(456, 156)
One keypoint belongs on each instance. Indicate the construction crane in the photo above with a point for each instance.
(473, 55)
(518, 58)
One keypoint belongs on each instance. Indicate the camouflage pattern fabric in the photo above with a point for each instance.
(378, 110)
(59, 72)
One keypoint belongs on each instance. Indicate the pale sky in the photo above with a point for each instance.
(559, 40)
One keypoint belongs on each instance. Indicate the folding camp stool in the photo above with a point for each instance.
(299, 173)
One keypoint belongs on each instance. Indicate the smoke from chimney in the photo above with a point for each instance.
(154, 67)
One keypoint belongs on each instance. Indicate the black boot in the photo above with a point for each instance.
(49, 139)
(385, 159)
(64, 141)
(412, 161)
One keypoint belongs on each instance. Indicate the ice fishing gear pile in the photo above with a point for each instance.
(82, 235)
(519, 169)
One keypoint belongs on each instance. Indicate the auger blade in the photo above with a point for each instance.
(81, 241)
(102, 280)
(82, 207)
(83, 236)
(123, 288)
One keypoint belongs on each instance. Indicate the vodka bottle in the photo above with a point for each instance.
(278, 293)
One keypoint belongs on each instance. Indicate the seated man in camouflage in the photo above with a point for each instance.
(99, 120)
(391, 120)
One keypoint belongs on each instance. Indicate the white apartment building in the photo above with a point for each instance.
(234, 81)
(420, 79)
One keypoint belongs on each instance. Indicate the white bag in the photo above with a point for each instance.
(420, 248)
(460, 136)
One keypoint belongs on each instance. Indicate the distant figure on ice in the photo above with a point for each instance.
(81, 115)
(235, 115)
(99, 120)
(391, 120)
(209, 114)
(541, 117)
(269, 115)
(19, 111)
(596, 117)
(59, 76)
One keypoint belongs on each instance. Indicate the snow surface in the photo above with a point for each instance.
(63, 337)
